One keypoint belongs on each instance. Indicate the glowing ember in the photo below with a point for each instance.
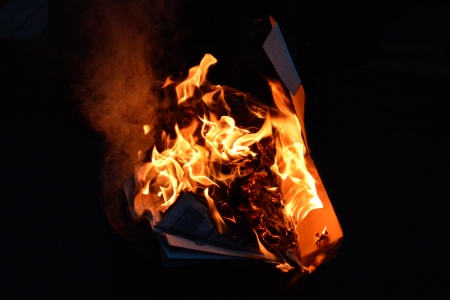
(319, 237)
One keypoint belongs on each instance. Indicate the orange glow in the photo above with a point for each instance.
(217, 219)
(168, 82)
(298, 186)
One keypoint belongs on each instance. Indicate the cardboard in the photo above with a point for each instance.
(277, 51)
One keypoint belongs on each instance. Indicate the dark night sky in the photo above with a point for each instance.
(376, 77)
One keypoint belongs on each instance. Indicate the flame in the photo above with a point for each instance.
(195, 156)
(196, 77)
(180, 168)
(298, 186)
(220, 224)
(267, 254)
(228, 142)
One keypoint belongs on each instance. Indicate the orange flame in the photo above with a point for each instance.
(185, 164)
(298, 186)
(196, 77)
(220, 224)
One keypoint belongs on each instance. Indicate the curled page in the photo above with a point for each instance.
(277, 51)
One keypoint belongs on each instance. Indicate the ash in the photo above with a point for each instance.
(254, 203)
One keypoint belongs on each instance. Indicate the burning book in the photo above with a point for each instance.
(230, 177)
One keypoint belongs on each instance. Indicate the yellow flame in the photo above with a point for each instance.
(267, 254)
(298, 186)
(217, 219)
(196, 77)
(229, 143)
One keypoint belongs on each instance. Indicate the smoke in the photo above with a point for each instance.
(119, 89)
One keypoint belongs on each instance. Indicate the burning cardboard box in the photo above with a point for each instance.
(230, 177)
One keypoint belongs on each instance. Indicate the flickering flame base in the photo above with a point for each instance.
(179, 249)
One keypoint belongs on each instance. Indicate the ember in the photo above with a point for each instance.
(319, 237)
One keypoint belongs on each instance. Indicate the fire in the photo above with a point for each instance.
(213, 151)
(267, 254)
(220, 224)
(196, 77)
(298, 186)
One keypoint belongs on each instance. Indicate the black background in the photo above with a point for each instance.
(376, 77)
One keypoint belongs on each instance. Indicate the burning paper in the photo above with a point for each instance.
(232, 176)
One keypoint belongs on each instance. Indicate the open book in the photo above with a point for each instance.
(186, 232)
